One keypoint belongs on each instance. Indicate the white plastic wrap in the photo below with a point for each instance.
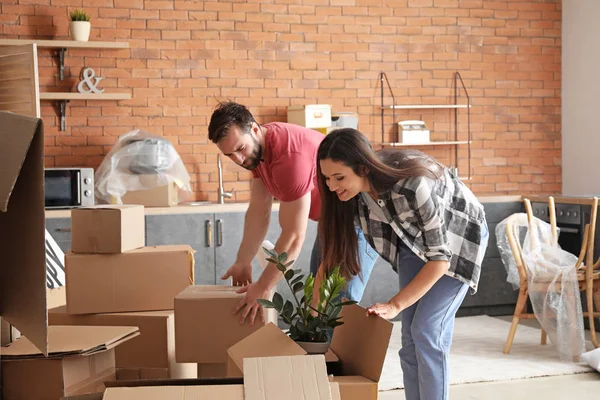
(551, 281)
(138, 161)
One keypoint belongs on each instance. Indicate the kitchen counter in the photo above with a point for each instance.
(239, 207)
(560, 199)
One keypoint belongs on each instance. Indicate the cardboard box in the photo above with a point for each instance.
(218, 370)
(275, 378)
(146, 279)
(158, 193)
(148, 356)
(22, 227)
(80, 359)
(8, 333)
(255, 345)
(205, 326)
(310, 115)
(94, 396)
(360, 344)
(296, 377)
(107, 229)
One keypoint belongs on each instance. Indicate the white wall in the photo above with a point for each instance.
(581, 97)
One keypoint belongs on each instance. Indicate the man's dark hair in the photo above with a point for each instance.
(227, 114)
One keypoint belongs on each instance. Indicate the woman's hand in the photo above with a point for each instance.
(384, 310)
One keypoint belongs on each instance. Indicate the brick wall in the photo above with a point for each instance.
(185, 55)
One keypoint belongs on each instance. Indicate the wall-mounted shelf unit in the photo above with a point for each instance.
(453, 139)
(83, 96)
(64, 97)
(63, 45)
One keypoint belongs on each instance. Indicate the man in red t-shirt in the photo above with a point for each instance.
(282, 158)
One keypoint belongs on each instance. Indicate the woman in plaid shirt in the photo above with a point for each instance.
(422, 220)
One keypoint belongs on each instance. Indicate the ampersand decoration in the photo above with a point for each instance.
(88, 75)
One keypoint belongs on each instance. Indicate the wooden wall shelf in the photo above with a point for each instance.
(62, 46)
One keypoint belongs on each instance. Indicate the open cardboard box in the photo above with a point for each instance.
(80, 359)
(360, 344)
(270, 378)
(149, 356)
(22, 227)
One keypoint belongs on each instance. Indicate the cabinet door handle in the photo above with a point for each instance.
(209, 232)
(219, 232)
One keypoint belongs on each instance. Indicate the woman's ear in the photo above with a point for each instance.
(362, 170)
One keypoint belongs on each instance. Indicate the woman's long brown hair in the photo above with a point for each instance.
(383, 169)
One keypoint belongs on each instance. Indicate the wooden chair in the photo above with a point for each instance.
(588, 273)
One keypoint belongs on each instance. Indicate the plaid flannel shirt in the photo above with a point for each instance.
(437, 219)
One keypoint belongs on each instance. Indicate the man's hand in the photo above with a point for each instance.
(241, 274)
(384, 310)
(248, 307)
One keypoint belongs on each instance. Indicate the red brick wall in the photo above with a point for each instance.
(185, 55)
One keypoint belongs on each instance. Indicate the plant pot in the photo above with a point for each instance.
(80, 30)
(315, 347)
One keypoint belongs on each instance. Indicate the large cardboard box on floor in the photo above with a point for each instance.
(146, 279)
(148, 356)
(272, 378)
(158, 193)
(80, 359)
(205, 326)
(22, 227)
(107, 229)
(360, 344)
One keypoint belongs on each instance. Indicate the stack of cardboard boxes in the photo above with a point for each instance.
(112, 279)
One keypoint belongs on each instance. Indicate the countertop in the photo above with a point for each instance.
(240, 207)
(561, 199)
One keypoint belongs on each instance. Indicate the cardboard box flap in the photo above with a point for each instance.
(208, 291)
(18, 135)
(268, 341)
(175, 382)
(227, 392)
(294, 378)
(106, 207)
(93, 396)
(73, 340)
(361, 342)
(22, 227)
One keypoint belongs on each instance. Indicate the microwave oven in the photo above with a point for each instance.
(68, 187)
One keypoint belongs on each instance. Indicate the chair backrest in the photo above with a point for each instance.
(591, 239)
(512, 235)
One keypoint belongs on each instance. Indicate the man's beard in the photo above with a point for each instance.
(254, 160)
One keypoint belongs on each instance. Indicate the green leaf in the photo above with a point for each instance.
(282, 257)
(265, 303)
(272, 260)
(288, 309)
(297, 271)
(289, 274)
(289, 264)
(296, 279)
(281, 267)
(298, 287)
(278, 302)
(347, 303)
(271, 252)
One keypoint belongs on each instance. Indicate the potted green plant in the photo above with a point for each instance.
(311, 327)
(80, 25)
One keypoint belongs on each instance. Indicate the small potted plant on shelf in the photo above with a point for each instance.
(80, 25)
(311, 327)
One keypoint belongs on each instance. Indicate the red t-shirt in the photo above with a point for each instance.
(289, 170)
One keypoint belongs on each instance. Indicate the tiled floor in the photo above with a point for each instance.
(579, 386)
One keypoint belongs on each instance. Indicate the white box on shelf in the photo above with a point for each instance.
(413, 132)
(310, 115)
